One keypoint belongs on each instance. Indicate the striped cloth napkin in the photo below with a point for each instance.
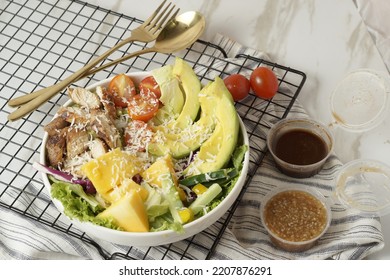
(350, 236)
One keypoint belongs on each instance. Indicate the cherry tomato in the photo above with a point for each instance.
(264, 82)
(143, 106)
(137, 135)
(238, 85)
(122, 89)
(150, 84)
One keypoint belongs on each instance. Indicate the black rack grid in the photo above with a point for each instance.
(43, 42)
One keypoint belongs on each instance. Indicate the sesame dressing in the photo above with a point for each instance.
(295, 216)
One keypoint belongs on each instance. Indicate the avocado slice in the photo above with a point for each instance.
(172, 96)
(181, 142)
(191, 87)
(173, 100)
(216, 152)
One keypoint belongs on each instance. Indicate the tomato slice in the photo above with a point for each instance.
(122, 89)
(150, 84)
(137, 135)
(143, 106)
(264, 82)
(238, 85)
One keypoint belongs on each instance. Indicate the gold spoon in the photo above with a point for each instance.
(177, 34)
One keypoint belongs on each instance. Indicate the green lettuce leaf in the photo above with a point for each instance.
(79, 205)
(238, 156)
(166, 222)
(155, 206)
(157, 210)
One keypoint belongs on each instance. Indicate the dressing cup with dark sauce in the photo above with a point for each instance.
(300, 146)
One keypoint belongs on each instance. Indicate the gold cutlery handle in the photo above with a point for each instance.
(18, 101)
(117, 61)
(41, 97)
(47, 93)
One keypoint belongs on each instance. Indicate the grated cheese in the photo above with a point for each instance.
(73, 165)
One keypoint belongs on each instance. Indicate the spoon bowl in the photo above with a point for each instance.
(181, 32)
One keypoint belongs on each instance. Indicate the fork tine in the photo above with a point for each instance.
(157, 28)
(156, 19)
(147, 22)
(164, 21)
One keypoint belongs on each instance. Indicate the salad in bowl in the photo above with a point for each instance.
(146, 158)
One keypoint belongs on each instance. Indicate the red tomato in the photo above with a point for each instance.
(238, 85)
(143, 106)
(264, 82)
(137, 135)
(122, 89)
(150, 84)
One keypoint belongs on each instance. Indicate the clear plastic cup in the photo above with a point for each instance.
(361, 100)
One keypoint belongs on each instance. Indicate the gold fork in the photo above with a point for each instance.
(146, 32)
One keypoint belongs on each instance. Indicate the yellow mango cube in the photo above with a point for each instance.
(128, 212)
(127, 185)
(109, 170)
(159, 171)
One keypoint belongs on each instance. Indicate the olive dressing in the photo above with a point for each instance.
(300, 147)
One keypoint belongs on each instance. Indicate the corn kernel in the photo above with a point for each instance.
(186, 215)
(199, 189)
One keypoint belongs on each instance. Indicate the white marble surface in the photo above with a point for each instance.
(324, 39)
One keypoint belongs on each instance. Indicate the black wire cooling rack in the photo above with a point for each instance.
(43, 42)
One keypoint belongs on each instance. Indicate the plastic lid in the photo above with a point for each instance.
(360, 100)
(365, 185)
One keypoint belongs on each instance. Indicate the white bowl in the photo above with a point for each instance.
(161, 237)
